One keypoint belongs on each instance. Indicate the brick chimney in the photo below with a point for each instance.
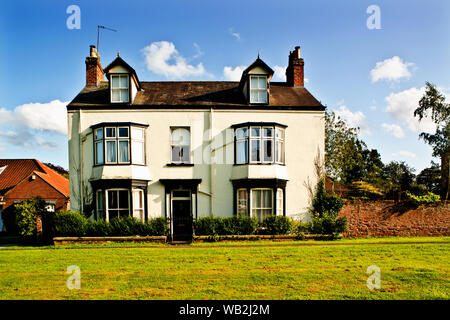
(294, 71)
(94, 70)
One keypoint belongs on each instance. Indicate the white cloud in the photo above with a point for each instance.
(355, 119)
(392, 69)
(199, 51)
(51, 116)
(280, 73)
(19, 127)
(405, 154)
(233, 74)
(235, 34)
(393, 129)
(162, 58)
(401, 106)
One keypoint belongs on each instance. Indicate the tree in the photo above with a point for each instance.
(431, 178)
(347, 157)
(434, 102)
(397, 176)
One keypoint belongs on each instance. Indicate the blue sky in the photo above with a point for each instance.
(371, 77)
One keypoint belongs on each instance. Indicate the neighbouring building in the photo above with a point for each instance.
(188, 149)
(23, 179)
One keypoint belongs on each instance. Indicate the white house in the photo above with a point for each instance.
(188, 149)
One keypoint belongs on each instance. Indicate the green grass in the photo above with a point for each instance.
(252, 271)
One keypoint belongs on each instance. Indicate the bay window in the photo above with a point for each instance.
(118, 203)
(119, 145)
(242, 202)
(262, 144)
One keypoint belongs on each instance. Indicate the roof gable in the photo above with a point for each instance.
(120, 63)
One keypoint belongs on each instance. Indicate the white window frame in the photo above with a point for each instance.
(138, 212)
(120, 89)
(134, 142)
(263, 147)
(99, 141)
(244, 139)
(98, 210)
(252, 208)
(258, 90)
(172, 144)
(122, 139)
(118, 203)
(279, 201)
(255, 138)
(238, 205)
(282, 140)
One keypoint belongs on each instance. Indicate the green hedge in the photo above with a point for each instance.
(236, 225)
(75, 224)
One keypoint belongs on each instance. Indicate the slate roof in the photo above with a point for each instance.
(197, 94)
(18, 169)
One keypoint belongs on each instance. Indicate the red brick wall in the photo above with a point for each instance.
(387, 218)
(94, 71)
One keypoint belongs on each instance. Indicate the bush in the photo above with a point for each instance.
(158, 227)
(98, 228)
(276, 225)
(236, 225)
(69, 224)
(328, 224)
(26, 214)
(326, 209)
(428, 198)
(322, 202)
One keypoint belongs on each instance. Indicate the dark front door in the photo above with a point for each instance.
(182, 220)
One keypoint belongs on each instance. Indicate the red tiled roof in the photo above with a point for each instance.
(18, 169)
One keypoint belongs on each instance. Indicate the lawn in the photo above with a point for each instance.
(250, 270)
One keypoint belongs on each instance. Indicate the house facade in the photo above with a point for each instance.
(188, 149)
(23, 179)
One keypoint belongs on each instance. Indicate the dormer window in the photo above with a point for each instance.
(258, 89)
(120, 88)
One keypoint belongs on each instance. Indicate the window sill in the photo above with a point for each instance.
(179, 165)
(119, 164)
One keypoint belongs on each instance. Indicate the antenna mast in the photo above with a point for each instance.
(98, 34)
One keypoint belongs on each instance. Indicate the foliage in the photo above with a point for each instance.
(277, 225)
(327, 223)
(325, 209)
(236, 225)
(397, 176)
(77, 225)
(322, 202)
(362, 189)
(347, 158)
(434, 102)
(69, 224)
(430, 178)
(26, 214)
(425, 199)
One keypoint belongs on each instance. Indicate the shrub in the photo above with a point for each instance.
(98, 228)
(69, 224)
(158, 227)
(328, 224)
(326, 209)
(236, 225)
(428, 198)
(126, 226)
(322, 202)
(26, 214)
(276, 225)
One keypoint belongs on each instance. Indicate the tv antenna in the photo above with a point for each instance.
(98, 34)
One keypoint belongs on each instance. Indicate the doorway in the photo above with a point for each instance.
(181, 215)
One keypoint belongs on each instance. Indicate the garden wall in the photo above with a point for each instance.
(388, 218)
